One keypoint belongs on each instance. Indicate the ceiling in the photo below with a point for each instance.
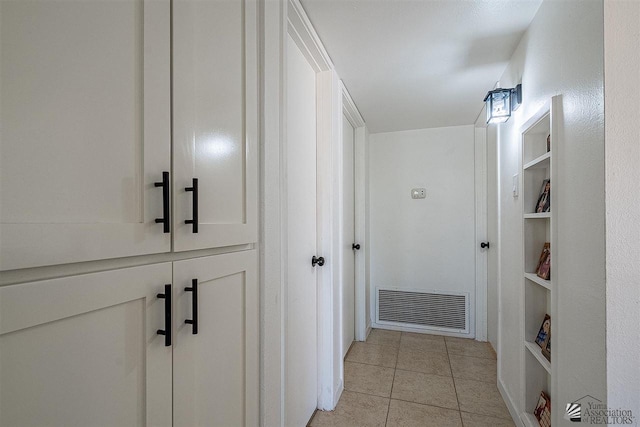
(413, 64)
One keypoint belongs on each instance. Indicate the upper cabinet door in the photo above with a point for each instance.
(85, 113)
(214, 123)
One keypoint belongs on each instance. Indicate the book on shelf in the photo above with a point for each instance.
(543, 270)
(543, 410)
(544, 199)
(546, 349)
(548, 143)
(544, 332)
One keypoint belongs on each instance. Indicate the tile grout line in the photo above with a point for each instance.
(395, 369)
(455, 389)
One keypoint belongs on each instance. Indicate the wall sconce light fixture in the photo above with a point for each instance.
(501, 102)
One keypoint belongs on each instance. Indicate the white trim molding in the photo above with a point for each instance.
(272, 247)
(304, 35)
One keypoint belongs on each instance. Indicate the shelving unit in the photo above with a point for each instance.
(539, 296)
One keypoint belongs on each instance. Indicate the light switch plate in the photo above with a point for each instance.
(418, 193)
(516, 186)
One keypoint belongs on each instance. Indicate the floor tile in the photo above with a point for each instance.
(384, 337)
(373, 354)
(480, 398)
(423, 388)
(469, 347)
(423, 342)
(405, 414)
(473, 368)
(410, 359)
(475, 420)
(354, 410)
(368, 379)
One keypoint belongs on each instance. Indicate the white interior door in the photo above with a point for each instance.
(85, 113)
(215, 105)
(301, 387)
(348, 237)
(84, 350)
(492, 235)
(215, 374)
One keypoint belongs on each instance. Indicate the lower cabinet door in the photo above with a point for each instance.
(215, 367)
(84, 350)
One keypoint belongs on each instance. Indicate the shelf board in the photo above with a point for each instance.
(534, 278)
(537, 215)
(542, 162)
(529, 420)
(534, 349)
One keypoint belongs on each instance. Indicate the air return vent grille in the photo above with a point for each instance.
(424, 310)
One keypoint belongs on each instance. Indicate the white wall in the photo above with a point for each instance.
(561, 53)
(622, 91)
(425, 244)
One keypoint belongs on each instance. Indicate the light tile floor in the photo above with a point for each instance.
(405, 379)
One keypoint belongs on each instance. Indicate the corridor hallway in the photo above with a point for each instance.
(406, 379)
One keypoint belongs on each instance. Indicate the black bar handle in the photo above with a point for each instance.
(484, 245)
(194, 221)
(194, 306)
(165, 202)
(167, 315)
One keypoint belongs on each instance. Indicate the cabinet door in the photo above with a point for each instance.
(83, 351)
(85, 113)
(215, 372)
(215, 122)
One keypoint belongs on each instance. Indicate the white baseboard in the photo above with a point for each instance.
(511, 406)
(366, 335)
(470, 335)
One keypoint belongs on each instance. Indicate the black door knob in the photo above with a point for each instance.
(319, 261)
(484, 245)
(355, 246)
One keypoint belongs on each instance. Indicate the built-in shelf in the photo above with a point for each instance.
(534, 278)
(541, 162)
(529, 420)
(535, 350)
(539, 296)
(537, 215)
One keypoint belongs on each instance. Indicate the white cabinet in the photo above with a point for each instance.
(215, 372)
(215, 107)
(84, 350)
(85, 113)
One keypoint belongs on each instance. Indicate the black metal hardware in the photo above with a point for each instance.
(355, 246)
(484, 245)
(194, 221)
(167, 315)
(319, 261)
(194, 306)
(165, 202)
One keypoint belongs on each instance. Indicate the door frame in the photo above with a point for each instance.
(329, 130)
(350, 111)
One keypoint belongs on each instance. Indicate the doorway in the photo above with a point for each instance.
(348, 244)
(301, 356)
